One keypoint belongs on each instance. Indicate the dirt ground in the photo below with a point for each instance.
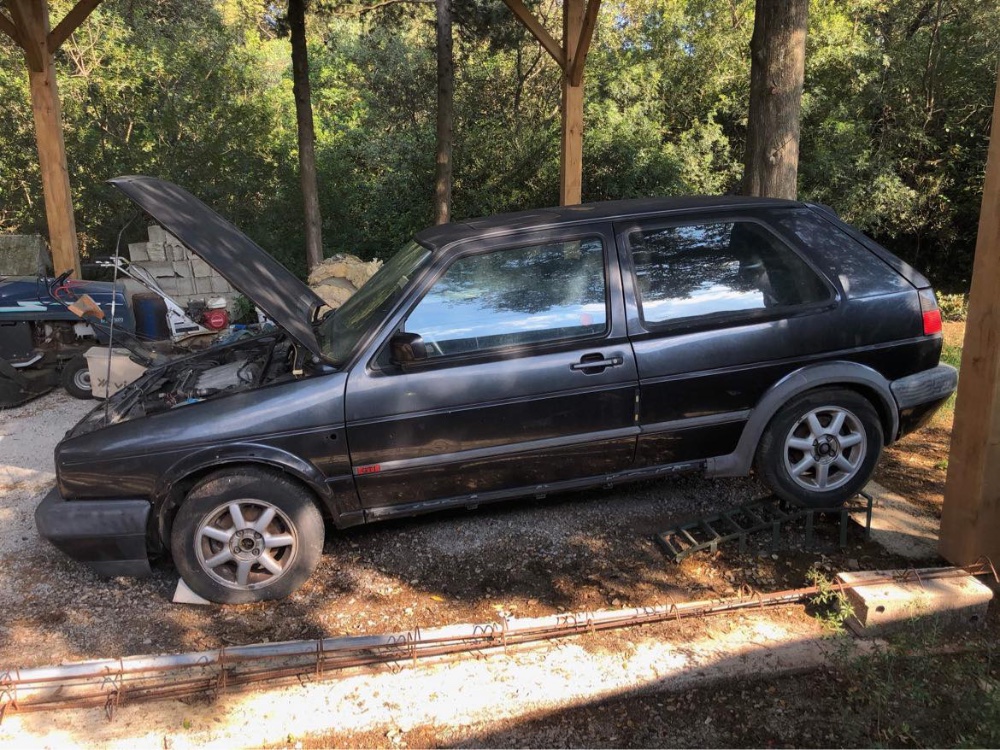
(573, 552)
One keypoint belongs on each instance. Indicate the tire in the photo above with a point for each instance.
(225, 555)
(76, 377)
(820, 449)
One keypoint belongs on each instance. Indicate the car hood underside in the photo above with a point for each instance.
(244, 264)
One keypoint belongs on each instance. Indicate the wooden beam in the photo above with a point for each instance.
(970, 517)
(30, 19)
(579, 59)
(7, 27)
(533, 25)
(571, 153)
(77, 15)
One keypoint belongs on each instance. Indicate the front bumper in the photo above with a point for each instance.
(919, 395)
(107, 535)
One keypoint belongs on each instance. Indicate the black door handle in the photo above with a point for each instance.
(591, 364)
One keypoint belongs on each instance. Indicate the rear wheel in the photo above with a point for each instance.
(246, 535)
(821, 448)
(76, 377)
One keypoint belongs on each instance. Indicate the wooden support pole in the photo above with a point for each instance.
(571, 156)
(31, 17)
(970, 518)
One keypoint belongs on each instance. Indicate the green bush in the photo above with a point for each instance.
(954, 307)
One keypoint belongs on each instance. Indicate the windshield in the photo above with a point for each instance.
(340, 331)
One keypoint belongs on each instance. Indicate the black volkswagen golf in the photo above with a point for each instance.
(518, 355)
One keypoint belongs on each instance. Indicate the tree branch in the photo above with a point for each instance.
(362, 10)
(77, 15)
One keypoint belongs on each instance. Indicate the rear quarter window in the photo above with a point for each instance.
(860, 272)
(692, 274)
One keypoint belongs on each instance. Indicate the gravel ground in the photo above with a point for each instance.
(582, 551)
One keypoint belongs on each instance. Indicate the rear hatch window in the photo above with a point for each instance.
(860, 272)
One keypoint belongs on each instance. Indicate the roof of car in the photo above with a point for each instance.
(438, 237)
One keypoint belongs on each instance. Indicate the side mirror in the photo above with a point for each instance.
(406, 348)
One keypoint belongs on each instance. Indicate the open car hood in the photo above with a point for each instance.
(244, 264)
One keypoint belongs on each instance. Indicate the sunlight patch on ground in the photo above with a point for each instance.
(459, 693)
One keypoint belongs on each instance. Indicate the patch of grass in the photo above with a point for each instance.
(958, 694)
(951, 354)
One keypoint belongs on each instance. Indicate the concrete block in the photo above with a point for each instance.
(157, 234)
(156, 252)
(183, 268)
(160, 270)
(22, 255)
(220, 285)
(901, 527)
(169, 286)
(201, 268)
(203, 285)
(185, 286)
(884, 607)
(137, 252)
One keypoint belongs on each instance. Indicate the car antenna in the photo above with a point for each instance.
(111, 328)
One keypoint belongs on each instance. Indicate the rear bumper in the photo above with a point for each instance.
(107, 535)
(919, 395)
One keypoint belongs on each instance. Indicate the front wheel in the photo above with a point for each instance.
(820, 449)
(76, 377)
(246, 535)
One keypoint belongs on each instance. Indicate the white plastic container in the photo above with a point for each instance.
(123, 370)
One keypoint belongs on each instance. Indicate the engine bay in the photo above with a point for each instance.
(240, 367)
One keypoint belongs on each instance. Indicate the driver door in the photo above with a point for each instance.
(529, 382)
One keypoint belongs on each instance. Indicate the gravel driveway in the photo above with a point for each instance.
(575, 552)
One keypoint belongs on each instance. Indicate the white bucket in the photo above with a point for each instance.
(123, 370)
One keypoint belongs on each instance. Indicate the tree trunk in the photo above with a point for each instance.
(777, 69)
(306, 133)
(445, 113)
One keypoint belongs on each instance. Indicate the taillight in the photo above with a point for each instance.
(930, 312)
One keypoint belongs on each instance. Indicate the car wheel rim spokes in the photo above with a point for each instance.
(245, 544)
(825, 448)
(81, 379)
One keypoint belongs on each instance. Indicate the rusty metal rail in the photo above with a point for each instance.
(110, 683)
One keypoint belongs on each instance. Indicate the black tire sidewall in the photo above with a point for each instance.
(770, 453)
(238, 484)
(69, 371)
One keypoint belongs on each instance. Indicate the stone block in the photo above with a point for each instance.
(137, 252)
(156, 252)
(203, 284)
(160, 270)
(220, 285)
(169, 286)
(157, 234)
(885, 607)
(185, 286)
(183, 268)
(201, 268)
(22, 255)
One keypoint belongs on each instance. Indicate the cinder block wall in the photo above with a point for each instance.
(183, 275)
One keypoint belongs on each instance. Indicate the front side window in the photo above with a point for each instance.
(717, 269)
(514, 297)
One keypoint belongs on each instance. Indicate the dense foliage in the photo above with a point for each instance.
(895, 115)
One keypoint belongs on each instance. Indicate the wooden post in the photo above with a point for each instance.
(31, 17)
(571, 155)
(970, 518)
